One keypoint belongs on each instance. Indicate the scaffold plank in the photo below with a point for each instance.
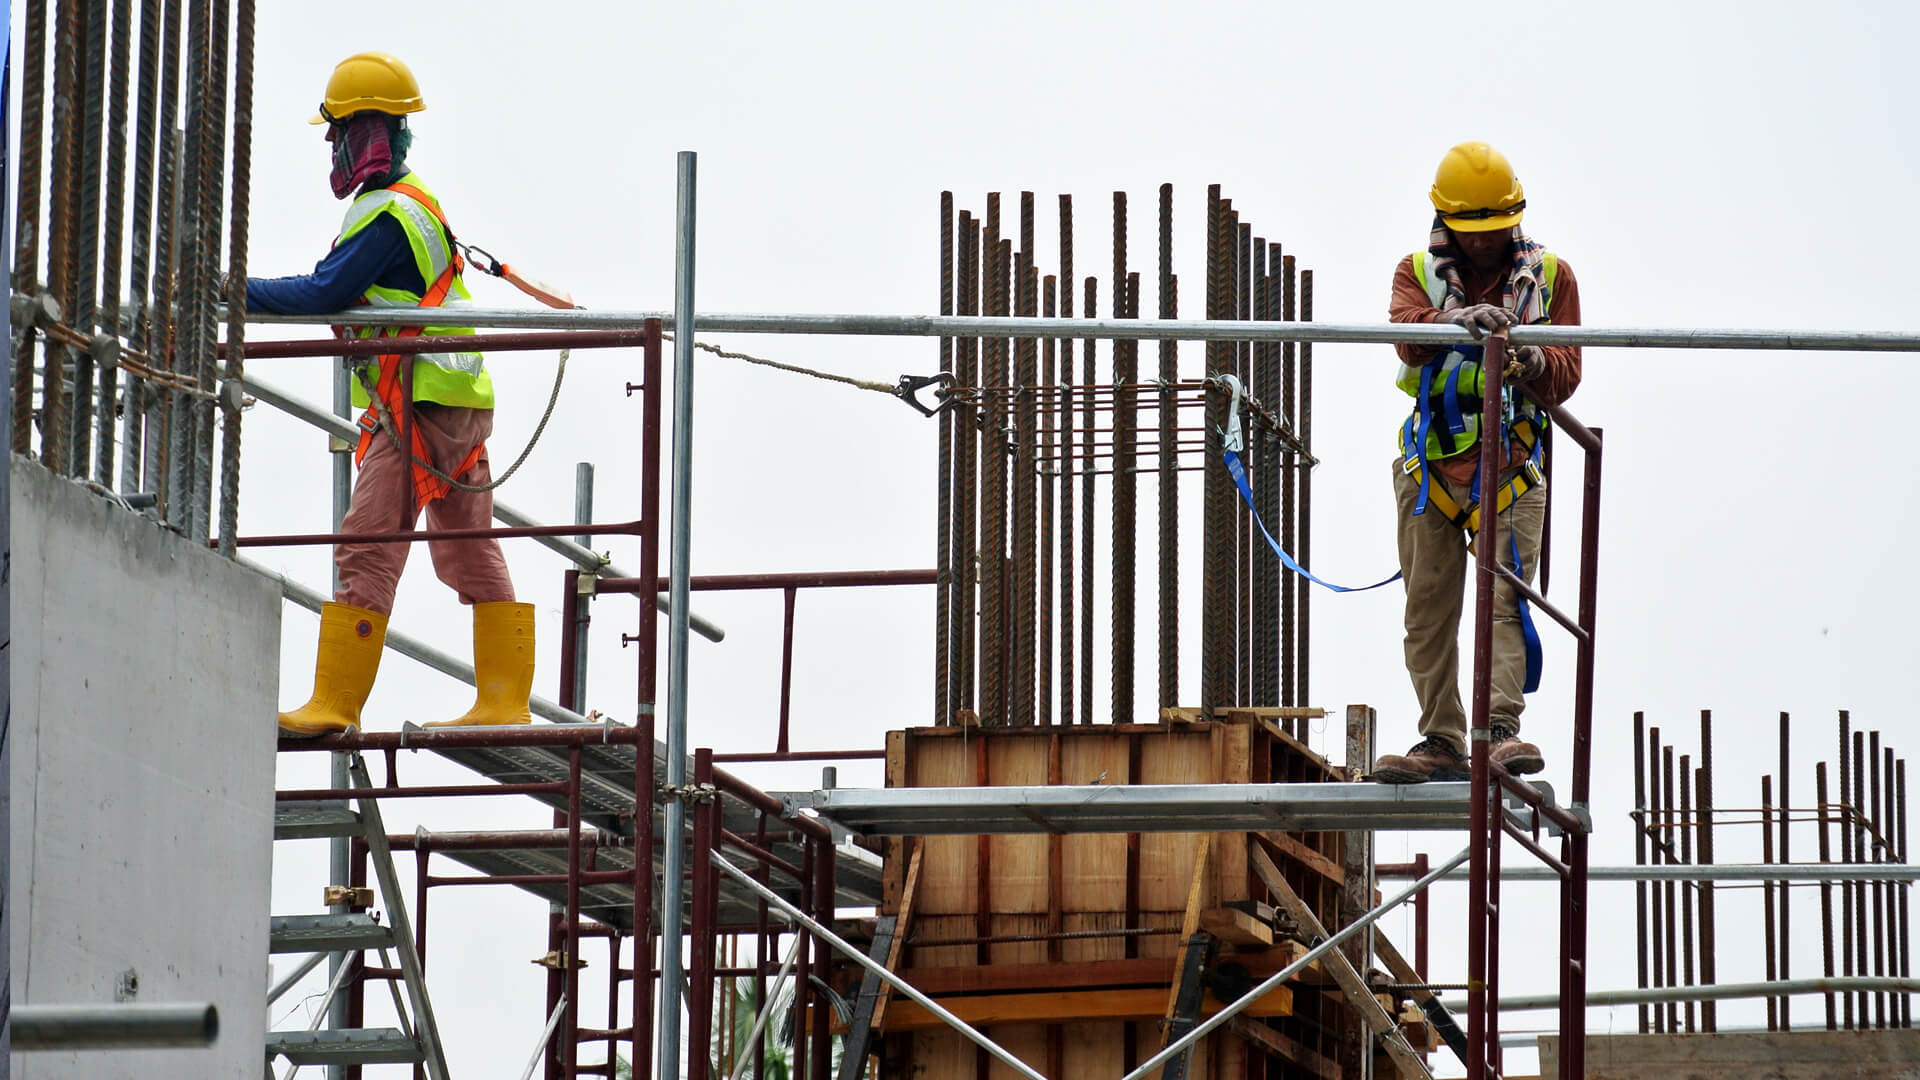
(1141, 808)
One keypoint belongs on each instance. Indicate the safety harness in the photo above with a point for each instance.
(388, 393)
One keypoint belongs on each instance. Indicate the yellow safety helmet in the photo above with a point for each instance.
(1475, 189)
(369, 81)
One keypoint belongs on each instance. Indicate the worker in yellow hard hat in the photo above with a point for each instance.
(395, 249)
(1480, 271)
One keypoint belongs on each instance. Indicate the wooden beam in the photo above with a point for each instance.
(1352, 986)
(902, 927)
(1155, 971)
(1196, 898)
(1284, 1048)
(1235, 927)
(1302, 751)
(1068, 1006)
(1284, 845)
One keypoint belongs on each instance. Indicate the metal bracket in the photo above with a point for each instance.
(693, 793)
(909, 387)
(347, 896)
(557, 961)
(588, 584)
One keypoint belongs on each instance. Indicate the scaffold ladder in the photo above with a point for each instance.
(414, 1042)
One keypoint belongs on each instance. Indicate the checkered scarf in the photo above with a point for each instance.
(1522, 294)
(371, 146)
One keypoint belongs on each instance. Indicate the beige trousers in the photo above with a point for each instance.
(1434, 558)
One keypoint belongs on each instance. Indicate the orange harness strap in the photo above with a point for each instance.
(426, 486)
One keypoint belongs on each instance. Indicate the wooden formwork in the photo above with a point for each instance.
(1036, 962)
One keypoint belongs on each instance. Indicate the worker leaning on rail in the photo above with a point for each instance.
(395, 250)
(1481, 272)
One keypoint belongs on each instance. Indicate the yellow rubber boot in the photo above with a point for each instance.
(502, 665)
(351, 640)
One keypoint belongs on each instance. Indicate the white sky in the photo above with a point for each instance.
(1698, 164)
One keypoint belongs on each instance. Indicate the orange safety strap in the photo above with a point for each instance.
(426, 486)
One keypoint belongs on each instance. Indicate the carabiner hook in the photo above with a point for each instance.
(909, 386)
(475, 255)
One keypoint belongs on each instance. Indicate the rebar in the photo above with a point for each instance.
(1263, 371)
(236, 275)
(133, 426)
(1067, 580)
(993, 494)
(33, 110)
(1688, 899)
(213, 169)
(1290, 587)
(1242, 518)
(116, 204)
(1703, 824)
(1025, 373)
(1126, 378)
(1861, 853)
(63, 192)
(1826, 890)
(1303, 553)
(1087, 357)
(160, 421)
(85, 313)
(1786, 856)
(1672, 941)
(944, 702)
(1767, 904)
(1049, 496)
(966, 469)
(1169, 587)
(1877, 816)
(1216, 594)
(1640, 923)
(1846, 857)
(1906, 956)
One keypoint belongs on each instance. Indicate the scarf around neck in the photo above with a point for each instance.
(1521, 295)
(369, 149)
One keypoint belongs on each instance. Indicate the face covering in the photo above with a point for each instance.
(361, 153)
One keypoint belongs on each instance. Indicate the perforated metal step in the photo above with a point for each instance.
(350, 1046)
(327, 933)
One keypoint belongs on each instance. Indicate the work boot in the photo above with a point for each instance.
(1518, 758)
(1432, 758)
(502, 665)
(351, 640)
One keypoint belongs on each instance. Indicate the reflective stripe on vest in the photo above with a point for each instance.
(459, 379)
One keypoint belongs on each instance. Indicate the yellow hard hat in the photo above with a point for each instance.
(1475, 189)
(369, 81)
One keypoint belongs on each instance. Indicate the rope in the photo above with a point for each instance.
(559, 376)
(864, 384)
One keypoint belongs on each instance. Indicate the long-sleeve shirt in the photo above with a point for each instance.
(1410, 304)
(376, 255)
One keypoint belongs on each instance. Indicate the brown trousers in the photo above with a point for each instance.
(1434, 558)
(369, 573)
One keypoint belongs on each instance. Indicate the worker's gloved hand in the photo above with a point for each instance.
(1481, 319)
(1528, 363)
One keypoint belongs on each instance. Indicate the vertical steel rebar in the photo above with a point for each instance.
(1064, 466)
(1768, 921)
(1126, 420)
(121, 38)
(62, 192)
(1262, 376)
(170, 168)
(1657, 921)
(1877, 833)
(993, 481)
(33, 111)
(966, 461)
(210, 225)
(1049, 500)
(1303, 552)
(1703, 826)
(1088, 379)
(1905, 952)
(1169, 587)
(85, 313)
(1826, 888)
(1242, 515)
(1786, 890)
(1216, 639)
(1640, 859)
(145, 143)
(1689, 897)
(236, 278)
(1862, 853)
(1290, 587)
(943, 695)
(1846, 807)
(1672, 828)
(1025, 487)
(183, 437)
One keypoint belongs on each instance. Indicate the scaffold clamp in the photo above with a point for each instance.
(909, 387)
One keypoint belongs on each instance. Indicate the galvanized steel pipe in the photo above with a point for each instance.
(114, 1027)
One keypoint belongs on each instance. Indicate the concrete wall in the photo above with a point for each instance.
(144, 677)
(1756, 1055)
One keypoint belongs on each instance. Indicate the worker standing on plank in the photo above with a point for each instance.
(1481, 272)
(396, 250)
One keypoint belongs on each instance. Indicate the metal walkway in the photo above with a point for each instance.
(608, 803)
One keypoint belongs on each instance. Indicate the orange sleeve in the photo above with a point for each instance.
(1410, 305)
(1563, 361)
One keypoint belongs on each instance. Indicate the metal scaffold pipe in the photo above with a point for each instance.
(1719, 992)
(114, 1027)
(681, 571)
(978, 326)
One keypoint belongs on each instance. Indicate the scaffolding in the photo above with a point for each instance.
(725, 859)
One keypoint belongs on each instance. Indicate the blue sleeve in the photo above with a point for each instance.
(341, 279)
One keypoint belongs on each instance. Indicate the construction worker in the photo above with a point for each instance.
(1482, 272)
(396, 250)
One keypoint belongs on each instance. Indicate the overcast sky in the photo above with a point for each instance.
(1723, 164)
